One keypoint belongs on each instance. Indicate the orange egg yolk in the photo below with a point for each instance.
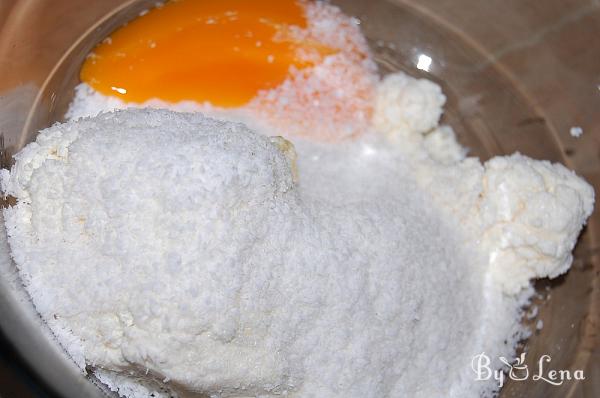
(218, 51)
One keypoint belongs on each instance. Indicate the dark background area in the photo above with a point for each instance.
(16, 380)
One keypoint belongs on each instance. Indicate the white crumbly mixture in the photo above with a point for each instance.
(179, 248)
(174, 254)
(525, 213)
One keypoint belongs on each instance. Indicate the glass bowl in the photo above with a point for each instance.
(518, 75)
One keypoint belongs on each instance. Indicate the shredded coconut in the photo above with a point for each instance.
(175, 247)
(176, 253)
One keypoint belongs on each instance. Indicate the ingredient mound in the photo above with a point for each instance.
(179, 250)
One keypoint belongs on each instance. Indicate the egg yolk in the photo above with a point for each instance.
(218, 51)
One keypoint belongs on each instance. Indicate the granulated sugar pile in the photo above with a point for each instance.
(175, 254)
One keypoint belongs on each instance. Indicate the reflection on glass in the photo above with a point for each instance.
(424, 62)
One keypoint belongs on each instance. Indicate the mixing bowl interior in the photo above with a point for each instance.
(491, 109)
